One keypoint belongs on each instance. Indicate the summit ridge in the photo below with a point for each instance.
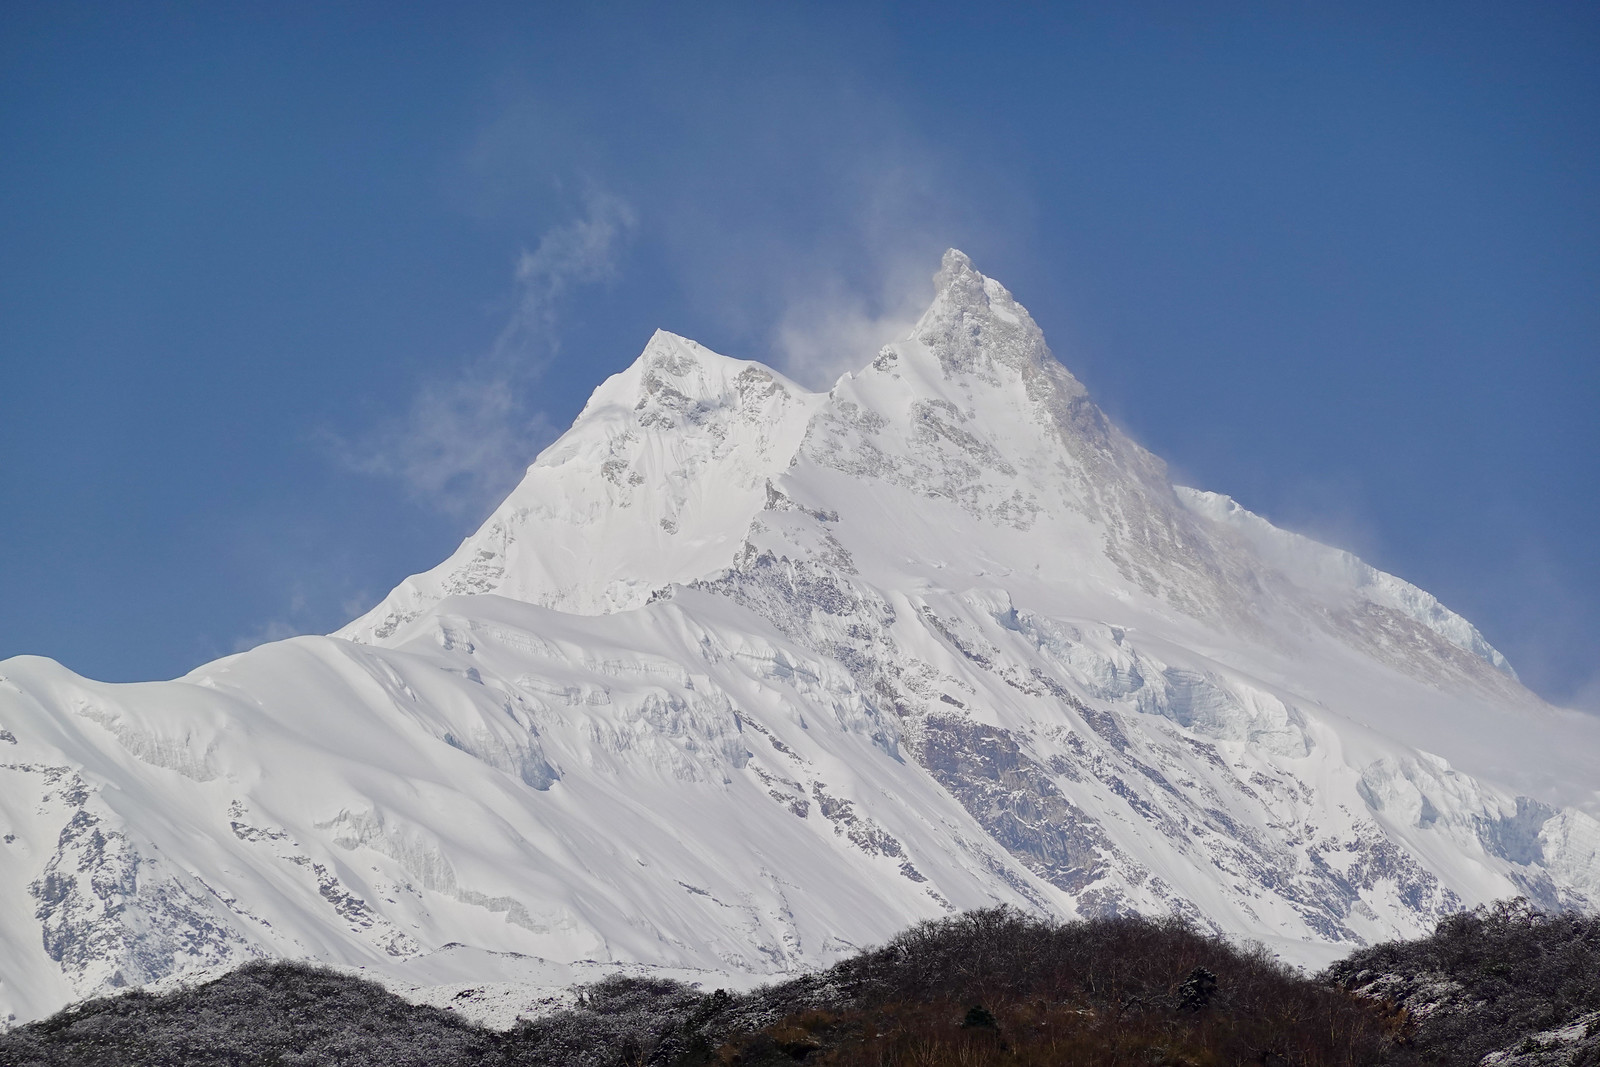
(743, 676)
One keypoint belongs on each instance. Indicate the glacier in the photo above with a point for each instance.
(743, 677)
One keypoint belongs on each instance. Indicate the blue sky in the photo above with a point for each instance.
(263, 267)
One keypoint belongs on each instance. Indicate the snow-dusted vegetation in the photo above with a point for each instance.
(984, 987)
(1508, 985)
(1505, 986)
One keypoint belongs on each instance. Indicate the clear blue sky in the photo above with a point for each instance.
(260, 265)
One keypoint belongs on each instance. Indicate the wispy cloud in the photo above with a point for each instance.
(896, 204)
(461, 441)
(291, 624)
(836, 328)
(466, 438)
(1586, 696)
(797, 208)
(1537, 616)
(871, 278)
(309, 609)
(582, 252)
(271, 630)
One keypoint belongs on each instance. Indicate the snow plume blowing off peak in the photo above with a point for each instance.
(743, 676)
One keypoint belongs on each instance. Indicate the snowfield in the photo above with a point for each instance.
(744, 677)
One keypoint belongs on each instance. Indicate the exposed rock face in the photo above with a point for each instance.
(743, 676)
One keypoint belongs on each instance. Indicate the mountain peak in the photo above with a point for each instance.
(974, 320)
(955, 267)
(682, 376)
(741, 676)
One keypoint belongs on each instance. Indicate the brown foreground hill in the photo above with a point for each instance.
(1508, 986)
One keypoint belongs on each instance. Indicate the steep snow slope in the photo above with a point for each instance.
(743, 676)
(655, 483)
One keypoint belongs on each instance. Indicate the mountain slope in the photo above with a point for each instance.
(742, 677)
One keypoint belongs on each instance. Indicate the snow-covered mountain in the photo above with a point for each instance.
(743, 676)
